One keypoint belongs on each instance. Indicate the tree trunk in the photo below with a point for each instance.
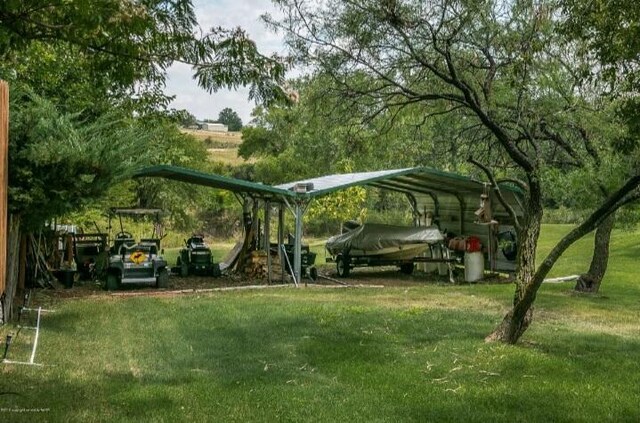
(527, 282)
(519, 318)
(590, 281)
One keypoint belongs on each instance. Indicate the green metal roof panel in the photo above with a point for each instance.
(418, 177)
(417, 180)
(327, 184)
(215, 181)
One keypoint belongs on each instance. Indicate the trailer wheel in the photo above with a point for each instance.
(342, 266)
(112, 283)
(406, 268)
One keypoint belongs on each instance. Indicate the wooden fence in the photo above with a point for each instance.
(4, 181)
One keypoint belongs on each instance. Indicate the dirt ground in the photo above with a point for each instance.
(381, 277)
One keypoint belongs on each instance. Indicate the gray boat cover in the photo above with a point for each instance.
(375, 236)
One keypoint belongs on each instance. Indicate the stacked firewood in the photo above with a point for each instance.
(255, 265)
(41, 257)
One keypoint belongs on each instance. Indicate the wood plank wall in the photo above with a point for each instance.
(4, 180)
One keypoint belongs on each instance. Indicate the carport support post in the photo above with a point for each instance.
(267, 236)
(297, 248)
(4, 189)
(281, 239)
(254, 222)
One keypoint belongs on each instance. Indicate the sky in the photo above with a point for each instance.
(228, 14)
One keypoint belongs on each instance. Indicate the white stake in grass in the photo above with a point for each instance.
(35, 346)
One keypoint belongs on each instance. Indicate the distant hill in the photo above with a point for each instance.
(222, 146)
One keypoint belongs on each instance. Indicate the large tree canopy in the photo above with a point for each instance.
(501, 67)
(230, 118)
(611, 30)
(130, 44)
(86, 71)
(58, 163)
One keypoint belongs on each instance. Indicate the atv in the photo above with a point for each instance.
(132, 262)
(195, 259)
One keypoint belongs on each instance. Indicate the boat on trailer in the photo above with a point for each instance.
(375, 244)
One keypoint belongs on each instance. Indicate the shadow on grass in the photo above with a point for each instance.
(262, 359)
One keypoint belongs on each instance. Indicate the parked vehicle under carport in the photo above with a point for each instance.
(372, 244)
(132, 262)
(196, 259)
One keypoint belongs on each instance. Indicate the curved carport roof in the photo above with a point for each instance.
(454, 198)
(239, 186)
(415, 179)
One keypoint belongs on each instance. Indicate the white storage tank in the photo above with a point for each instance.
(473, 266)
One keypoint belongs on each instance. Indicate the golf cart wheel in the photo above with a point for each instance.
(313, 273)
(342, 266)
(112, 282)
(162, 281)
(407, 268)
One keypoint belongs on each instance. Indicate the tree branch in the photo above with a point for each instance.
(561, 142)
(498, 191)
(521, 184)
(631, 198)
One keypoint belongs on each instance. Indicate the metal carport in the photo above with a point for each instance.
(452, 198)
(243, 190)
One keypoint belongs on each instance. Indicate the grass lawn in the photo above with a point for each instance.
(411, 353)
(227, 156)
(221, 146)
(231, 138)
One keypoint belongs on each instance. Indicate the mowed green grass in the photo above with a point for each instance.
(318, 354)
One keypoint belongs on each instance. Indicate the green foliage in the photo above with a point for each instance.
(230, 118)
(488, 75)
(129, 45)
(628, 143)
(232, 60)
(183, 118)
(182, 202)
(494, 80)
(571, 191)
(563, 215)
(320, 132)
(59, 163)
(99, 69)
(341, 206)
(256, 142)
(611, 30)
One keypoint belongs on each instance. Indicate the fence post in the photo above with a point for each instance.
(4, 183)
